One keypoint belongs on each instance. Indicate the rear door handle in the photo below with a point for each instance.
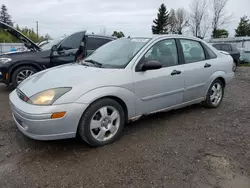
(207, 65)
(175, 72)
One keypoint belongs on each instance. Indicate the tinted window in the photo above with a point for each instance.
(94, 43)
(226, 47)
(72, 42)
(194, 52)
(235, 49)
(164, 51)
(217, 46)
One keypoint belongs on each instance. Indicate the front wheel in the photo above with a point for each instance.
(21, 73)
(102, 123)
(215, 94)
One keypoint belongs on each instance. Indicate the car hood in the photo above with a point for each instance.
(27, 42)
(71, 75)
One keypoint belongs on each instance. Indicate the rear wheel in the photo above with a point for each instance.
(102, 123)
(215, 94)
(21, 73)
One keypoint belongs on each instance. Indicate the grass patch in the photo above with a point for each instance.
(245, 64)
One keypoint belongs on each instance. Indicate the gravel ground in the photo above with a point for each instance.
(192, 147)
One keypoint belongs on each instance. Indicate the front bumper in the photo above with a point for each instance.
(35, 122)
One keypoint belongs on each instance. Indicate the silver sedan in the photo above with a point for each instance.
(119, 82)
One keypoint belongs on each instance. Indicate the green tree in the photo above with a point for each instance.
(118, 34)
(243, 28)
(4, 16)
(5, 37)
(161, 23)
(220, 33)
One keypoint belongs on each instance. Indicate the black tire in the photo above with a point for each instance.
(17, 71)
(84, 130)
(208, 102)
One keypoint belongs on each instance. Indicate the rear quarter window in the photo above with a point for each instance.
(210, 53)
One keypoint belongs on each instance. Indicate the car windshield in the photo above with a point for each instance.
(49, 45)
(118, 53)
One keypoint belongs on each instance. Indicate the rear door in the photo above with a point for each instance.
(94, 42)
(198, 68)
(67, 49)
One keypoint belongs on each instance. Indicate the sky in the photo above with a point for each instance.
(133, 17)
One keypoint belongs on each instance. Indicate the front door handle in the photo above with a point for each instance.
(207, 65)
(175, 72)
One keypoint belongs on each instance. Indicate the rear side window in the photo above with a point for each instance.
(72, 42)
(94, 43)
(226, 47)
(217, 46)
(194, 52)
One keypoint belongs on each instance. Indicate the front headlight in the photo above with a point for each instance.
(4, 60)
(48, 97)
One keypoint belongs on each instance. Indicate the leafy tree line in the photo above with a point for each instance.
(8, 38)
(203, 15)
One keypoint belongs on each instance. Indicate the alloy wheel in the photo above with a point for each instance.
(105, 123)
(22, 75)
(216, 94)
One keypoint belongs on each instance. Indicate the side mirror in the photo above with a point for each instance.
(151, 65)
(54, 48)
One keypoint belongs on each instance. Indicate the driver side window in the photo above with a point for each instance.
(164, 52)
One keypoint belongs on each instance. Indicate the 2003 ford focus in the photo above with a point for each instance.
(120, 81)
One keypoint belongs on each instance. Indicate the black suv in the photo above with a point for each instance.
(17, 66)
(231, 49)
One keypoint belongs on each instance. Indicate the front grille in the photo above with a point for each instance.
(21, 95)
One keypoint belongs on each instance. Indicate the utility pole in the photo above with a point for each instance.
(37, 31)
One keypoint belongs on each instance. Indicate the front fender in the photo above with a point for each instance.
(24, 63)
(124, 94)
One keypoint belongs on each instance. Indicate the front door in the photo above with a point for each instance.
(161, 88)
(67, 50)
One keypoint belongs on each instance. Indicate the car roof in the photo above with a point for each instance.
(158, 36)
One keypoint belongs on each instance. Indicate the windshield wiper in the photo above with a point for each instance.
(97, 64)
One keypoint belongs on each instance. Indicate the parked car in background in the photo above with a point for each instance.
(42, 43)
(121, 81)
(16, 67)
(232, 50)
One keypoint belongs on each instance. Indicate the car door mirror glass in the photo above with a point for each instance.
(151, 65)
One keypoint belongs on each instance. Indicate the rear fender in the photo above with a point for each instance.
(214, 76)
